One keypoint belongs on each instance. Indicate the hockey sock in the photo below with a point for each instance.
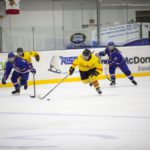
(16, 85)
(97, 87)
(95, 84)
(23, 82)
(112, 77)
(131, 77)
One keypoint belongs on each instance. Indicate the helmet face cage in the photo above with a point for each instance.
(20, 53)
(11, 59)
(86, 57)
(111, 47)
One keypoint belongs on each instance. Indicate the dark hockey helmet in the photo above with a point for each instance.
(20, 50)
(86, 54)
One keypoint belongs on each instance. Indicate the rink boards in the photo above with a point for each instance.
(54, 65)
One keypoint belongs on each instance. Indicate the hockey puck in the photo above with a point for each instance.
(48, 99)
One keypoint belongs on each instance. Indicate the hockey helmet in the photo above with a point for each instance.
(11, 57)
(20, 50)
(111, 45)
(11, 54)
(86, 54)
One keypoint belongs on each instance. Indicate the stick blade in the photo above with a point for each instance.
(32, 96)
(38, 96)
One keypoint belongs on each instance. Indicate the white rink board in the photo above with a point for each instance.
(64, 59)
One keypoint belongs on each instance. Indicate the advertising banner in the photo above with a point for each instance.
(121, 35)
(55, 64)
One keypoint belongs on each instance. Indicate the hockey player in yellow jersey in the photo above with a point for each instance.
(89, 68)
(27, 55)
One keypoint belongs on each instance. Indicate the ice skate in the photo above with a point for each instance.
(113, 83)
(25, 87)
(98, 91)
(134, 82)
(17, 91)
(90, 84)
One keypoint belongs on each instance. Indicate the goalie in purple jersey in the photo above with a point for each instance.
(21, 70)
(116, 60)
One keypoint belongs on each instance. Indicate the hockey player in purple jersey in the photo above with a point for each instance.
(21, 70)
(115, 59)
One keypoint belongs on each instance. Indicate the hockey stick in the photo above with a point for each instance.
(33, 96)
(105, 70)
(41, 98)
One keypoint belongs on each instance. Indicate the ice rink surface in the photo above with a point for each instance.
(77, 118)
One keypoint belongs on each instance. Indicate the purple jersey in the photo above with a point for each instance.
(19, 65)
(115, 56)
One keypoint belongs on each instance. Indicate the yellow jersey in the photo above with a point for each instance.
(85, 65)
(28, 55)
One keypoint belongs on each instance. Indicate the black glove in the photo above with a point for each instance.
(94, 74)
(3, 81)
(33, 71)
(37, 57)
(71, 70)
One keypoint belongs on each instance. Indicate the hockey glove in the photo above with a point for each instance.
(105, 61)
(3, 81)
(37, 57)
(94, 74)
(33, 71)
(71, 70)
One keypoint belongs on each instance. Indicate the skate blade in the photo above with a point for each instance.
(32, 96)
(113, 85)
(16, 94)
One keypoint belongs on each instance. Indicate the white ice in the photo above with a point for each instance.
(77, 118)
